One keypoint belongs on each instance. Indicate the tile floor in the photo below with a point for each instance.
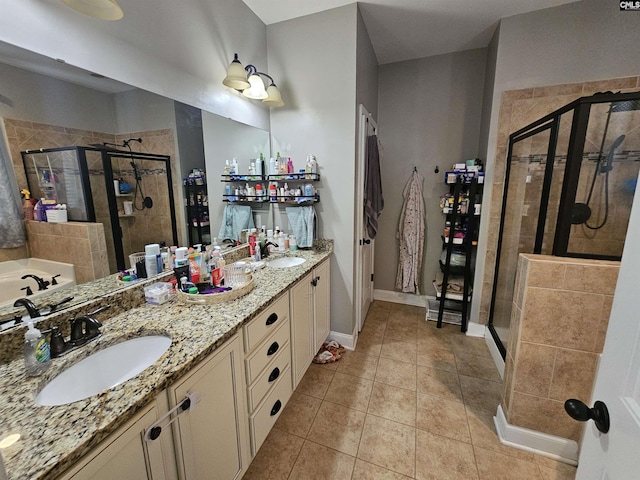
(412, 401)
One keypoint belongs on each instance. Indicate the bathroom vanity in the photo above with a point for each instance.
(215, 394)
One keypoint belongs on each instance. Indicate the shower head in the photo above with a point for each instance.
(607, 165)
(626, 106)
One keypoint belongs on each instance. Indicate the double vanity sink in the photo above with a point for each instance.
(89, 393)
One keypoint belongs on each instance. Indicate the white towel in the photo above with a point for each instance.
(235, 219)
(302, 222)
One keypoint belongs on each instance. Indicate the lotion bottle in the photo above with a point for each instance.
(37, 354)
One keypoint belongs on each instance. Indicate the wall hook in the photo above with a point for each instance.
(436, 170)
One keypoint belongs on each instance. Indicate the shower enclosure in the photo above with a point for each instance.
(83, 179)
(569, 186)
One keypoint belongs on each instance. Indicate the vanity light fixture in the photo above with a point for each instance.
(252, 87)
(100, 9)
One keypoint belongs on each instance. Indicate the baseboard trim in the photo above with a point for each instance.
(344, 339)
(551, 446)
(476, 330)
(495, 353)
(399, 297)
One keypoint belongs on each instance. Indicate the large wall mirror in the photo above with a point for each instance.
(45, 104)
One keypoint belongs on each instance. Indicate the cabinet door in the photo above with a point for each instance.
(125, 454)
(212, 439)
(301, 327)
(322, 303)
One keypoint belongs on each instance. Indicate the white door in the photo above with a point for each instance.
(616, 455)
(365, 246)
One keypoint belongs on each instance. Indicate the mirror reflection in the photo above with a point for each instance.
(77, 138)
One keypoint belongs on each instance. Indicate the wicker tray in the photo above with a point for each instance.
(213, 298)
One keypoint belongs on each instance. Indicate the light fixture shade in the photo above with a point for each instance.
(274, 98)
(256, 91)
(236, 75)
(101, 9)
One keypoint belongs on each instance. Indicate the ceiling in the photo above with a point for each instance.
(407, 29)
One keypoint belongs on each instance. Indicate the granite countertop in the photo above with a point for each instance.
(54, 438)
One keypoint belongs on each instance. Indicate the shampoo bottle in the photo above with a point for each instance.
(36, 350)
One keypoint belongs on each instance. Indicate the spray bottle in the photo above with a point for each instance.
(37, 354)
(27, 206)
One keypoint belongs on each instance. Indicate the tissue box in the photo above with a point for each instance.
(158, 293)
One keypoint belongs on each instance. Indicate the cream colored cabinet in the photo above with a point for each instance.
(310, 317)
(211, 438)
(126, 455)
(268, 368)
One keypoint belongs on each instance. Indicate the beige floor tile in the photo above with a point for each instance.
(337, 427)
(399, 374)
(358, 365)
(350, 391)
(276, 457)
(369, 343)
(298, 415)
(316, 381)
(374, 329)
(429, 340)
(469, 345)
(496, 466)
(368, 471)
(477, 366)
(481, 395)
(553, 470)
(441, 458)
(403, 332)
(483, 435)
(316, 462)
(397, 350)
(436, 358)
(442, 417)
(439, 383)
(377, 315)
(381, 305)
(388, 444)
(402, 317)
(393, 403)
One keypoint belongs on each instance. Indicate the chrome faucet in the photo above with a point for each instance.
(28, 304)
(42, 283)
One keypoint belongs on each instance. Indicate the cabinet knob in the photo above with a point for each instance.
(273, 318)
(155, 433)
(273, 349)
(276, 407)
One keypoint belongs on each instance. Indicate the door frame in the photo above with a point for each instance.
(365, 119)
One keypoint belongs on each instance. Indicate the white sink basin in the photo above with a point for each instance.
(103, 370)
(286, 262)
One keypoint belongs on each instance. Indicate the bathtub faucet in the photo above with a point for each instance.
(42, 283)
(28, 304)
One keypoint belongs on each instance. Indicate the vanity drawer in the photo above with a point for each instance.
(268, 321)
(269, 410)
(269, 376)
(266, 351)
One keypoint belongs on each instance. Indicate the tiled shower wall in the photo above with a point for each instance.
(519, 108)
(559, 321)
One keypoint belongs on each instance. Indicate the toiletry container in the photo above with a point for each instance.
(293, 244)
(37, 354)
(152, 259)
(272, 166)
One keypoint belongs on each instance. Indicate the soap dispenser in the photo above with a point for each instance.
(37, 354)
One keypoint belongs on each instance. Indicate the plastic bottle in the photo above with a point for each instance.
(273, 192)
(27, 206)
(258, 168)
(37, 354)
(272, 166)
(259, 193)
(227, 168)
(290, 166)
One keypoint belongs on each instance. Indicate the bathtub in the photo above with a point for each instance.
(12, 270)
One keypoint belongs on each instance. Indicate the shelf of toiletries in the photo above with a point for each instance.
(295, 199)
(290, 177)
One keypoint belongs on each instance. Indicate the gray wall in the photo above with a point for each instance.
(428, 114)
(316, 58)
(579, 42)
(43, 99)
(366, 71)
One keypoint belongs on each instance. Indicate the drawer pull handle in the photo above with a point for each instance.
(155, 432)
(276, 408)
(275, 374)
(273, 349)
(273, 318)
